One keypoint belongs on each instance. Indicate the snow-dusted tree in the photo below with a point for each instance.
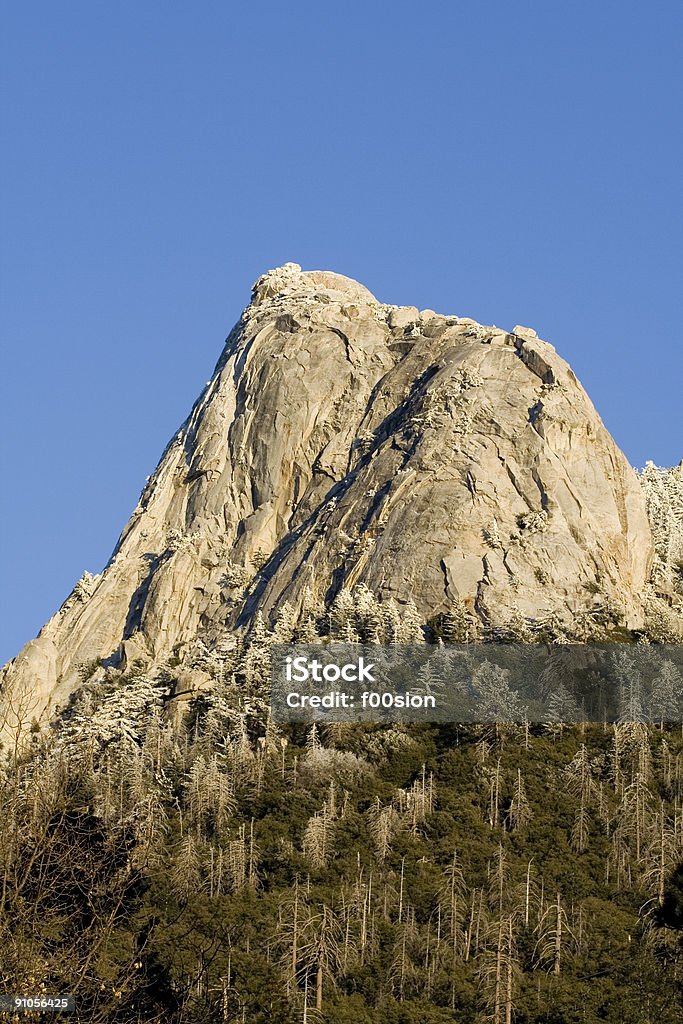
(580, 783)
(342, 615)
(499, 876)
(561, 706)
(579, 775)
(391, 618)
(664, 499)
(428, 681)
(367, 615)
(450, 667)
(498, 964)
(496, 702)
(633, 818)
(284, 630)
(308, 632)
(319, 837)
(417, 802)
(210, 798)
(312, 606)
(615, 767)
(257, 658)
(477, 924)
(384, 823)
(291, 909)
(520, 813)
(492, 535)
(526, 895)
(517, 628)
(456, 625)
(122, 713)
(411, 630)
(666, 696)
(492, 776)
(186, 873)
(631, 707)
(242, 859)
(356, 916)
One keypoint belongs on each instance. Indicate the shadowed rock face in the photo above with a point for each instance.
(342, 441)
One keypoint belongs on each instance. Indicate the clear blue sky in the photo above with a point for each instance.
(515, 162)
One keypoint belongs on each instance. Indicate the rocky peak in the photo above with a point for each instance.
(342, 441)
(289, 280)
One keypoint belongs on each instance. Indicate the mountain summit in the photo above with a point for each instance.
(342, 441)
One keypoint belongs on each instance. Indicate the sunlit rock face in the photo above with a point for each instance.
(339, 441)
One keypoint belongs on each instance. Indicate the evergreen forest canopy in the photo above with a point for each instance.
(187, 861)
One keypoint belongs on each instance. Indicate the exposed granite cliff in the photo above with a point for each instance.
(341, 440)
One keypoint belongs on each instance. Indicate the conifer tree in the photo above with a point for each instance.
(411, 630)
(520, 813)
(320, 950)
(284, 630)
(187, 867)
(666, 698)
(384, 822)
(553, 935)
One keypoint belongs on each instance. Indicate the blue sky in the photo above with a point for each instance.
(519, 163)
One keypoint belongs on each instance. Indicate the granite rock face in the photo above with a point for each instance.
(339, 441)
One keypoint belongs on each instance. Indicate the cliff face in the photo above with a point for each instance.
(341, 441)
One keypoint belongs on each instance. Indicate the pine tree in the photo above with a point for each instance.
(391, 621)
(411, 630)
(284, 630)
(384, 822)
(320, 950)
(666, 696)
(342, 615)
(496, 702)
(318, 837)
(366, 620)
(663, 852)
(187, 867)
(308, 632)
(453, 906)
(456, 626)
(580, 783)
(664, 499)
(520, 813)
(553, 934)
(403, 969)
(257, 657)
(498, 970)
(631, 709)
(561, 706)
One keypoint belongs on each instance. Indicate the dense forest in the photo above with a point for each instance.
(189, 861)
(168, 853)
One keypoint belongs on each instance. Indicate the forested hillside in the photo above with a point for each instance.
(187, 861)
